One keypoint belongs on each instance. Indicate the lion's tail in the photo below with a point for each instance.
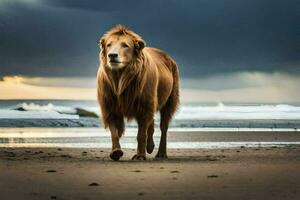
(172, 104)
(174, 96)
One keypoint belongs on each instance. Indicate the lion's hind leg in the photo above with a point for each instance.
(166, 114)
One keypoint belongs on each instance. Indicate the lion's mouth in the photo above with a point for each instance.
(114, 62)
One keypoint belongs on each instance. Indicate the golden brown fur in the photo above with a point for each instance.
(147, 83)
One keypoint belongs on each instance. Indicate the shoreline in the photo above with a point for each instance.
(92, 122)
(184, 138)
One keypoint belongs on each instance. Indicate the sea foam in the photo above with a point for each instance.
(221, 111)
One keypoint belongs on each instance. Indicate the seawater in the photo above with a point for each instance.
(196, 115)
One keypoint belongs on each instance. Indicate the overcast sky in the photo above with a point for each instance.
(206, 37)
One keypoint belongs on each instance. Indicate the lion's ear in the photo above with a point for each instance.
(102, 43)
(102, 51)
(140, 44)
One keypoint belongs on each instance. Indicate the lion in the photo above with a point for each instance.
(135, 82)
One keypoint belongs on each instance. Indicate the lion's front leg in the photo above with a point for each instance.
(142, 139)
(116, 133)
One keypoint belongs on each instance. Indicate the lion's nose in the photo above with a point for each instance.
(112, 55)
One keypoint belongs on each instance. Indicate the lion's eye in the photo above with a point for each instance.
(124, 45)
(108, 45)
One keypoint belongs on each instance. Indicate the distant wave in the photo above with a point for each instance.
(221, 111)
(44, 111)
(44, 107)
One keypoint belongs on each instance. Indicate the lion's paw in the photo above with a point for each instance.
(138, 157)
(161, 156)
(116, 154)
(150, 146)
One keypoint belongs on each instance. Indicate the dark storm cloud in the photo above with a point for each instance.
(59, 37)
(94, 5)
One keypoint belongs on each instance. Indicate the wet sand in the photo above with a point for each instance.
(187, 138)
(69, 173)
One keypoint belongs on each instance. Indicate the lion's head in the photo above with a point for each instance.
(120, 47)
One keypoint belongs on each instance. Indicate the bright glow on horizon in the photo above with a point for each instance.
(15, 87)
(13, 79)
(241, 87)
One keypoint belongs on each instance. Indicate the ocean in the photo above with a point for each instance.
(63, 113)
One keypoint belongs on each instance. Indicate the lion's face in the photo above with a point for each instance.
(120, 51)
(120, 47)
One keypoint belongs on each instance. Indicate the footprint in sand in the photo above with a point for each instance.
(51, 171)
(137, 170)
(174, 172)
(94, 184)
(212, 176)
(66, 156)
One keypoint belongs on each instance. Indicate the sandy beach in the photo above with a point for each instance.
(73, 173)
